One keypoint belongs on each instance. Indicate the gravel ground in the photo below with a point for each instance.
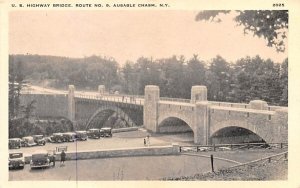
(121, 168)
(276, 170)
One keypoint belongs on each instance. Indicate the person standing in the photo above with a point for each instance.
(148, 140)
(144, 141)
(62, 157)
(54, 158)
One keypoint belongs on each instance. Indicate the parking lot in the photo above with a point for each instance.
(132, 168)
(124, 168)
(118, 140)
(137, 168)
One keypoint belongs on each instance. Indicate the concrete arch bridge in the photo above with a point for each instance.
(206, 119)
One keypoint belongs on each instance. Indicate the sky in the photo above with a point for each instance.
(127, 35)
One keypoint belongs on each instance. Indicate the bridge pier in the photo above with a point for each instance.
(101, 89)
(151, 107)
(198, 93)
(201, 126)
(71, 103)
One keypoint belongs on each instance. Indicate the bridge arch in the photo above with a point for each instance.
(264, 132)
(234, 134)
(174, 125)
(119, 111)
(173, 114)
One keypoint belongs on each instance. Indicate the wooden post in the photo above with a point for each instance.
(269, 159)
(212, 163)
(280, 145)
(214, 147)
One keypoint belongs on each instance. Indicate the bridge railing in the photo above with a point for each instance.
(243, 105)
(228, 104)
(120, 98)
(124, 95)
(175, 99)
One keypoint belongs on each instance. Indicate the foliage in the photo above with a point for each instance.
(242, 81)
(16, 82)
(269, 24)
(19, 128)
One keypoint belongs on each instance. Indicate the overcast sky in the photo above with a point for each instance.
(127, 35)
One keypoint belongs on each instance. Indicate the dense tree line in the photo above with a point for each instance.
(244, 80)
(241, 81)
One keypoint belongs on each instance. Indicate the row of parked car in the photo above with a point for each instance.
(40, 159)
(40, 140)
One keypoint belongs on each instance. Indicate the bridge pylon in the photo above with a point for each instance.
(71, 103)
(152, 96)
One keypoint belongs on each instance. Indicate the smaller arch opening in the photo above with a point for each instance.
(235, 135)
(176, 130)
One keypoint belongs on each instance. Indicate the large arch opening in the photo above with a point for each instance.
(109, 117)
(176, 129)
(235, 135)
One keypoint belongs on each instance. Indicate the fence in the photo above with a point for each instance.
(265, 159)
(222, 147)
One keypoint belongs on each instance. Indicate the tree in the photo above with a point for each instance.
(257, 79)
(284, 82)
(16, 82)
(269, 24)
(29, 109)
(218, 79)
(195, 71)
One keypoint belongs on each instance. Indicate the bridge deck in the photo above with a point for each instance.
(139, 100)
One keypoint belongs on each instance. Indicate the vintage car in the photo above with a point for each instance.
(14, 143)
(93, 133)
(106, 132)
(69, 137)
(39, 139)
(42, 159)
(28, 141)
(16, 160)
(81, 135)
(57, 137)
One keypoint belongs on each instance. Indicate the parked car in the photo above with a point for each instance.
(14, 143)
(16, 160)
(81, 135)
(69, 137)
(42, 159)
(28, 141)
(57, 137)
(93, 133)
(106, 132)
(39, 139)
